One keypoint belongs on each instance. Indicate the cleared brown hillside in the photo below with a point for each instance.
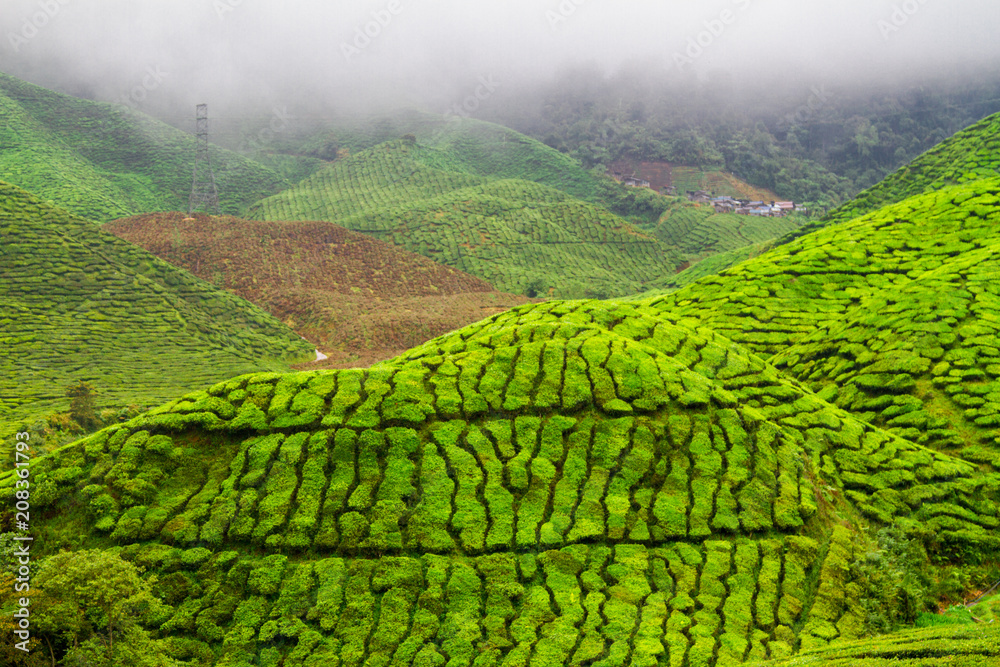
(358, 299)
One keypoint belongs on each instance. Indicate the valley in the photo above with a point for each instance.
(555, 420)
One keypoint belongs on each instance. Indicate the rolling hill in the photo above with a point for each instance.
(965, 158)
(699, 232)
(102, 161)
(565, 483)
(889, 315)
(519, 236)
(80, 304)
(359, 300)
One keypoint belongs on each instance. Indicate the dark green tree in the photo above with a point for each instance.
(81, 405)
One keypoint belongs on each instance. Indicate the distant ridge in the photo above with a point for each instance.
(102, 161)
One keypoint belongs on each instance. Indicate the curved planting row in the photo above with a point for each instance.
(566, 483)
(891, 316)
(84, 305)
(698, 231)
(517, 235)
(717, 602)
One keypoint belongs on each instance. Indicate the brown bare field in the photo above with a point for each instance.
(358, 299)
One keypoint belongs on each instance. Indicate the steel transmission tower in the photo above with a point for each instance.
(204, 193)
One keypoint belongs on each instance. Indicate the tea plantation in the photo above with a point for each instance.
(700, 233)
(102, 161)
(356, 298)
(952, 646)
(890, 315)
(78, 304)
(968, 156)
(566, 483)
(517, 235)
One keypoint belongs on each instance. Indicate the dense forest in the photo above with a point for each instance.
(814, 142)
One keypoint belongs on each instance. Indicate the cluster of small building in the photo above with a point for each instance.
(743, 206)
(622, 173)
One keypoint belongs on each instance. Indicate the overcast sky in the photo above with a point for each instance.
(174, 53)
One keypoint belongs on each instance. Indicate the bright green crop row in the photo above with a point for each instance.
(891, 316)
(580, 481)
(517, 235)
(952, 646)
(78, 304)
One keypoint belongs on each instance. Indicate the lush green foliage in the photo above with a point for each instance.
(888, 316)
(78, 304)
(700, 233)
(563, 483)
(102, 162)
(952, 646)
(517, 235)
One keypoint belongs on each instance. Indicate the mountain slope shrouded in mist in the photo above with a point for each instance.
(576, 410)
(457, 206)
(102, 161)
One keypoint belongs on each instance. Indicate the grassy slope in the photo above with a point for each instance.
(968, 156)
(480, 148)
(103, 162)
(569, 482)
(356, 298)
(76, 303)
(952, 646)
(699, 232)
(891, 315)
(513, 233)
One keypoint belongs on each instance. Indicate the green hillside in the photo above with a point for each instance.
(963, 646)
(517, 235)
(699, 232)
(78, 304)
(493, 151)
(566, 483)
(890, 315)
(477, 147)
(968, 156)
(103, 162)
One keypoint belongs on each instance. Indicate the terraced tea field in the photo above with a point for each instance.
(357, 299)
(519, 236)
(699, 232)
(561, 484)
(79, 304)
(102, 161)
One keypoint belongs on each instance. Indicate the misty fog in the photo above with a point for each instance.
(249, 59)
